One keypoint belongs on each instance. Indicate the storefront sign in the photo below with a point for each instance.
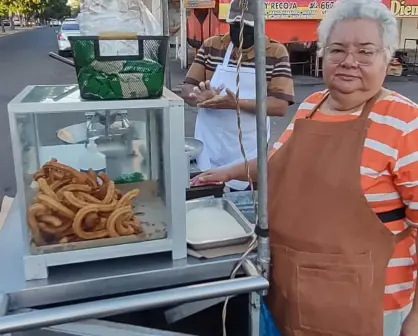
(404, 9)
(315, 10)
(287, 10)
(194, 4)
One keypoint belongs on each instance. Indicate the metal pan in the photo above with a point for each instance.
(194, 147)
(233, 211)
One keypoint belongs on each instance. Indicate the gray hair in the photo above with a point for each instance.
(361, 9)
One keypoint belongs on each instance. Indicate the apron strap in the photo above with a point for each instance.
(364, 113)
(228, 53)
(316, 108)
(369, 105)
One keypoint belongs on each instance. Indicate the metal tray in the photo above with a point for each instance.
(233, 211)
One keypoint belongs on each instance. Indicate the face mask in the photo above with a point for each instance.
(248, 35)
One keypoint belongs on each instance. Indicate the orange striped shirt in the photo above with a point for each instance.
(389, 178)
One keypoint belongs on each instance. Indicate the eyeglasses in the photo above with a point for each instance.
(362, 56)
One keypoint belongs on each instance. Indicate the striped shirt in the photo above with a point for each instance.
(278, 73)
(389, 178)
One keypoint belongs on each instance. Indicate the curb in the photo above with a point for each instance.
(16, 31)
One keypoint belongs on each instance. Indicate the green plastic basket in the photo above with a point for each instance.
(103, 77)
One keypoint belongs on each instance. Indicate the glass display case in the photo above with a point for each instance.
(122, 195)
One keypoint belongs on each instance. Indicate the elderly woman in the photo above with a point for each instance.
(343, 191)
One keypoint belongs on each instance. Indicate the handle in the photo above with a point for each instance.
(61, 59)
(121, 305)
(118, 36)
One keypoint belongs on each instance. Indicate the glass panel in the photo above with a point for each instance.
(131, 142)
(53, 94)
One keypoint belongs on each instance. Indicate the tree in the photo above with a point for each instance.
(75, 7)
(56, 9)
(4, 12)
(26, 8)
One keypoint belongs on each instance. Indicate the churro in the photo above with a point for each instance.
(40, 173)
(114, 217)
(93, 177)
(46, 189)
(51, 220)
(74, 187)
(110, 193)
(54, 230)
(128, 197)
(73, 206)
(57, 185)
(54, 205)
(67, 170)
(78, 221)
(33, 211)
(89, 198)
(74, 201)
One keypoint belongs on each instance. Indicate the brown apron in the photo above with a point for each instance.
(329, 249)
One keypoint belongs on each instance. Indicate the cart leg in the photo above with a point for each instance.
(254, 311)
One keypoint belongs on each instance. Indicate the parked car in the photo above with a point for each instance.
(6, 23)
(68, 28)
(16, 22)
(54, 23)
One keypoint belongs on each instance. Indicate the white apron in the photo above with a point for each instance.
(218, 129)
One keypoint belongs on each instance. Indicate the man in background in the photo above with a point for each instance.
(210, 84)
(174, 16)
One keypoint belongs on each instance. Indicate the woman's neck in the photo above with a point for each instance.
(342, 103)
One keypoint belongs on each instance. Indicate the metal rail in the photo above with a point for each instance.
(61, 59)
(263, 250)
(122, 305)
(166, 32)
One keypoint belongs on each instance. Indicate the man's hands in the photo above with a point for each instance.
(205, 92)
(208, 97)
(410, 325)
(228, 102)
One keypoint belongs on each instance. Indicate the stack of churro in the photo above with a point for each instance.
(72, 206)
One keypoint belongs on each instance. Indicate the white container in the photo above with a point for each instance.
(91, 158)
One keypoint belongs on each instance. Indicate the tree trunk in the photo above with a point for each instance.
(12, 23)
(2, 25)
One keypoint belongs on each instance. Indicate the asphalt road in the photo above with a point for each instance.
(24, 61)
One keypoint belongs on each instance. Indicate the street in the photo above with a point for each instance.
(24, 61)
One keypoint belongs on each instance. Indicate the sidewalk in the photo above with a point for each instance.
(15, 31)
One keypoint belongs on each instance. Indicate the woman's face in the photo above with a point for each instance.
(354, 58)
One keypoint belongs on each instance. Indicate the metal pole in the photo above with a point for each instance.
(122, 305)
(263, 251)
(166, 31)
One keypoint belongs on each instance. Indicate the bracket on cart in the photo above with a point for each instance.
(4, 304)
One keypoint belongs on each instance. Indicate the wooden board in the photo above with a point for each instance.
(149, 208)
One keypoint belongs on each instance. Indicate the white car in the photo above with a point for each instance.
(68, 28)
(54, 23)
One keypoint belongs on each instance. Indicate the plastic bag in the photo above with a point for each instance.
(117, 16)
(267, 325)
(123, 16)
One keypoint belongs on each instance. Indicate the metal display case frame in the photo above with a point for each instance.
(36, 266)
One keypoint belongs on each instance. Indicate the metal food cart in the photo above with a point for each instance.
(90, 291)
